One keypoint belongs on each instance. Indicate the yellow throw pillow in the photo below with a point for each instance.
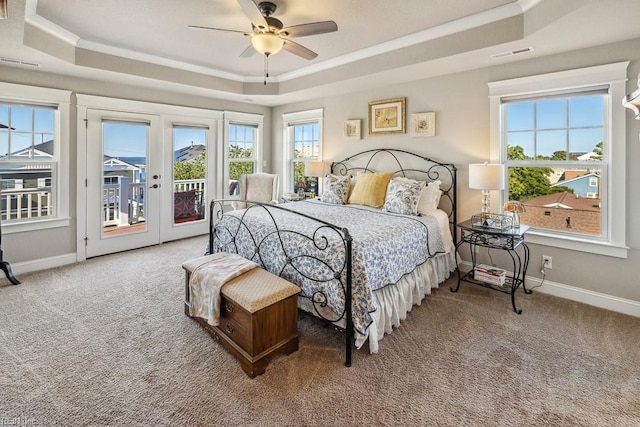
(370, 189)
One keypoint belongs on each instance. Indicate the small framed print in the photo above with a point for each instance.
(387, 116)
(352, 129)
(423, 124)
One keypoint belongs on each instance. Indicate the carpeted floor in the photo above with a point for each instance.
(106, 343)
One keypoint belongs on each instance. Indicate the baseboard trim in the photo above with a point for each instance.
(585, 296)
(43, 264)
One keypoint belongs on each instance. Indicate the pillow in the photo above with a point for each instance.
(430, 198)
(184, 204)
(370, 189)
(336, 189)
(403, 196)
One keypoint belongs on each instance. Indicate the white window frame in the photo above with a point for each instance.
(243, 119)
(614, 77)
(16, 93)
(288, 121)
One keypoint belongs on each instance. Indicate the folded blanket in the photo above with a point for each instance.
(206, 283)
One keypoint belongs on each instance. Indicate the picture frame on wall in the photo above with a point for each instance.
(352, 129)
(423, 124)
(387, 116)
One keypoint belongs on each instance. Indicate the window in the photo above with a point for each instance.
(303, 138)
(554, 149)
(26, 144)
(306, 147)
(561, 137)
(242, 141)
(31, 173)
(243, 147)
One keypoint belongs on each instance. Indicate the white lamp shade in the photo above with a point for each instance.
(267, 43)
(314, 169)
(485, 176)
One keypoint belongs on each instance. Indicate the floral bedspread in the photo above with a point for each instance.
(386, 246)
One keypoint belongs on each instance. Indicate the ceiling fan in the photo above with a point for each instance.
(269, 34)
(3, 9)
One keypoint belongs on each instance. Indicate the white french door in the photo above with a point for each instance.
(123, 181)
(144, 178)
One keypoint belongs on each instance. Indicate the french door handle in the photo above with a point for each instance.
(156, 176)
(155, 186)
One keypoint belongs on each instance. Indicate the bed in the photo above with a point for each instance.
(360, 265)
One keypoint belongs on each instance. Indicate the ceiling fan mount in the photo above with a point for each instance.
(267, 8)
(269, 34)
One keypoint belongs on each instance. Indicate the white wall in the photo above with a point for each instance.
(462, 107)
(462, 117)
(29, 248)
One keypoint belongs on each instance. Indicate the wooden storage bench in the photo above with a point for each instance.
(258, 316)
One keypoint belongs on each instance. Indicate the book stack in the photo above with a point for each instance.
(488, 274)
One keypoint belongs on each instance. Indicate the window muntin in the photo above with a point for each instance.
(554, 157)
(28, 162)
(306, 148)
(242, 153)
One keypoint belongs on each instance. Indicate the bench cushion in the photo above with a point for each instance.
(257, 289)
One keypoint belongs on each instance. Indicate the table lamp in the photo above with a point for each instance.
(486, 177)
(314, 170)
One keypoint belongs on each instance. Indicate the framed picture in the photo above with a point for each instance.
(352, 129)
(387, 116)
(423, 124)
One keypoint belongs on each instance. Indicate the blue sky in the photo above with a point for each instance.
(130, 139)
(27, 120)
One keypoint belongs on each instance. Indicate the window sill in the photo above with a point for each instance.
(34, 225)
(577, 244)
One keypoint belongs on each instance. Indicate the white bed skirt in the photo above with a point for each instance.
(393, 302)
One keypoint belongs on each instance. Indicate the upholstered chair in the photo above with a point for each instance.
(257, 187)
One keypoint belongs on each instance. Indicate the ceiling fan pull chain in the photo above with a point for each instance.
(266, 69)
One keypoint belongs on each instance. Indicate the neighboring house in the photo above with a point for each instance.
(563, 210)
(133, 168)
(583, 183)
(188, 153)
(25, 175)
(589, 156)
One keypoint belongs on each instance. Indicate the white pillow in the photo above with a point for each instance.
(336, 189)
(430, 197)
(402, 196)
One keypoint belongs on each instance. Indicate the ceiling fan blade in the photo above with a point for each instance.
(310, 29)
(253, 13)
(197, 27)
(299, 50)
(248, 52)
(3, 9)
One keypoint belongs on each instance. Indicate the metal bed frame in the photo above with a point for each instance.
(307, 256)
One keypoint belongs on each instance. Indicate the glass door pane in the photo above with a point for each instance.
(189, 173)
(124, 183)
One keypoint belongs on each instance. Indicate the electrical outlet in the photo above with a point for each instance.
(547, 262)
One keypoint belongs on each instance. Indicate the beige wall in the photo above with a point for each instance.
(461, 104)
(36, 245)
(462, 107)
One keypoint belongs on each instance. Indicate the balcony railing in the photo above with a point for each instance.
(26, 203)
(16, 204)
(189, 184)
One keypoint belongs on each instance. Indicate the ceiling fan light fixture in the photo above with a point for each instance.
(267, 43)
